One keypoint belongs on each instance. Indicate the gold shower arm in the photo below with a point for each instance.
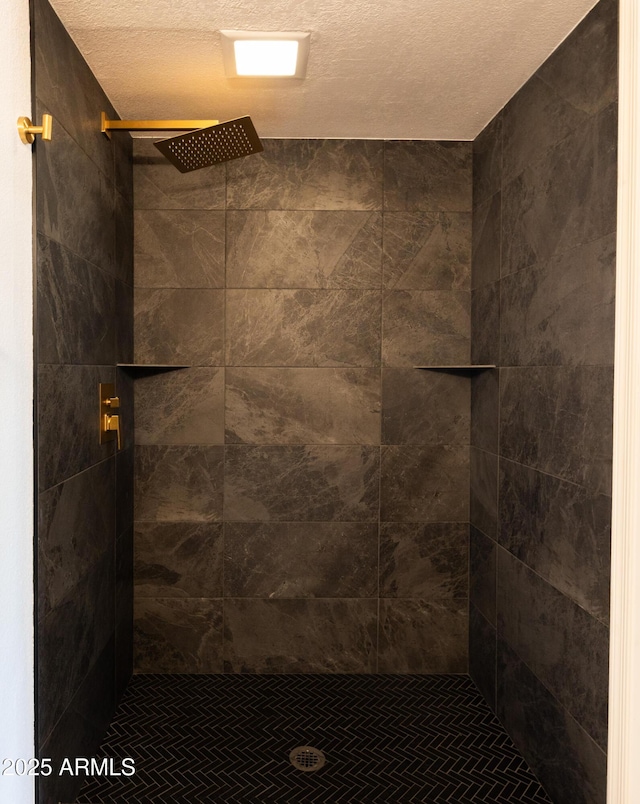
(152, 125)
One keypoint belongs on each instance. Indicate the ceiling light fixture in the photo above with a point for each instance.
(256, 53)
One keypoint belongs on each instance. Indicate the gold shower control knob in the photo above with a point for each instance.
(112, 402)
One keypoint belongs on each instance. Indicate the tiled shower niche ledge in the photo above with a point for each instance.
(461, 367)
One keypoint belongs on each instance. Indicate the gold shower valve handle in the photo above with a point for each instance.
(27, 130)
(110, 426)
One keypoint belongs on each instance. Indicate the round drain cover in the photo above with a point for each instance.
(306, 758)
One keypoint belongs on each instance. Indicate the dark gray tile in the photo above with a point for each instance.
(559, 420)
(300, 636)
(565, 200)
(313, 483)
(301, 560)
(425, 327)
(560, 530)
(76, 308)
(424, 561)
(308, 174)
(572, 768)
(124, 612)
(67, 421)
(482, 575)
(179, 248)
(302, 406)
(487, 161)
(483, 492)
(425, 407)
(179, 327)
(180, 407)
(561, 312)
(158, 185)
(123, 159)
(427, 250)
(565, 647)
(178, 484)
(123, 263)
(419, 636)
(124, 322)
(173, 635)
(485, 409)
(304, 249)
(425, 484)
(124, 490)
(429, 175)
(303, 327)
(487, 222)
(482, 655)
(178, 559)
(125, 392)
(486, 325)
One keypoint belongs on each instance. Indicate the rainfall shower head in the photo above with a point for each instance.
(210, 146)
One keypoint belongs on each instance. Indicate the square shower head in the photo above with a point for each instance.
(210, 146)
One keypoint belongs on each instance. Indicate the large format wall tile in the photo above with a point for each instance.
(179, 249)
(487, 221)
(178, 484)
(300, 636)
(304, 249)
(482, 574)
(180, 407)
(485, 325)
(179, 327)
(124, 612)
(178, 559)
(429, 176)
(123, 251)
(302, 406)
(485, 410)
(300, 559)
(313, 483)
(427, 250)
(424, 561)
(482, 655)
(308, 174)
(487, 162)
(303, 328)
(174, 635)
(483, 491)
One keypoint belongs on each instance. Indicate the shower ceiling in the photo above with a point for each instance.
(410, 69)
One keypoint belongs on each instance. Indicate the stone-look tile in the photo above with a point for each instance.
(482, 655)
(424, 561)
(303, 327)
(312, 483)
(179, 249)
(429, 176)
(76, 308)
(123, 159)
(300, 636)
(487, 220)
(76, 525)
(559, 420)
(485, 325)
(178, 559)
(425, 327)
(485, 409)
(308, 174)
(561, 312)
(304, 249)
(572, 768)
(560, 530)
(123, 265)
(74, 200)
(425, 407)
(158, 185)
(420, 636)
(487, 161)
(180, 407)
(424, 484)
(124, 322)
(427, 250)
(124, 490)
(124, 612)
(562, 644)
(483, 492)
(301, 560)
(565, 200)
(179, 327)
(70, 640)
(67, 421)
(482, 574)
(125, 391)
(178, 484)
(173, 635)
(302, 406)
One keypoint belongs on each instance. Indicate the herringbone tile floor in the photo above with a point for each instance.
(388, 739)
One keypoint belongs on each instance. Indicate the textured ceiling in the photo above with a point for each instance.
(414, 69)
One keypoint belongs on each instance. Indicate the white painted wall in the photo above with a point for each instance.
(16, 405)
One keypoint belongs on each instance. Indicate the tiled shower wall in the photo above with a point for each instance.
(84, 317)
(301, 490)
(542, 309)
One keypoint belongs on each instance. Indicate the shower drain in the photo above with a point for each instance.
(305, 758)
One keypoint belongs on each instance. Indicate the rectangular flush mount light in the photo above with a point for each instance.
(256, 53)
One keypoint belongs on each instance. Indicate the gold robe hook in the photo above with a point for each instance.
(27, 130)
